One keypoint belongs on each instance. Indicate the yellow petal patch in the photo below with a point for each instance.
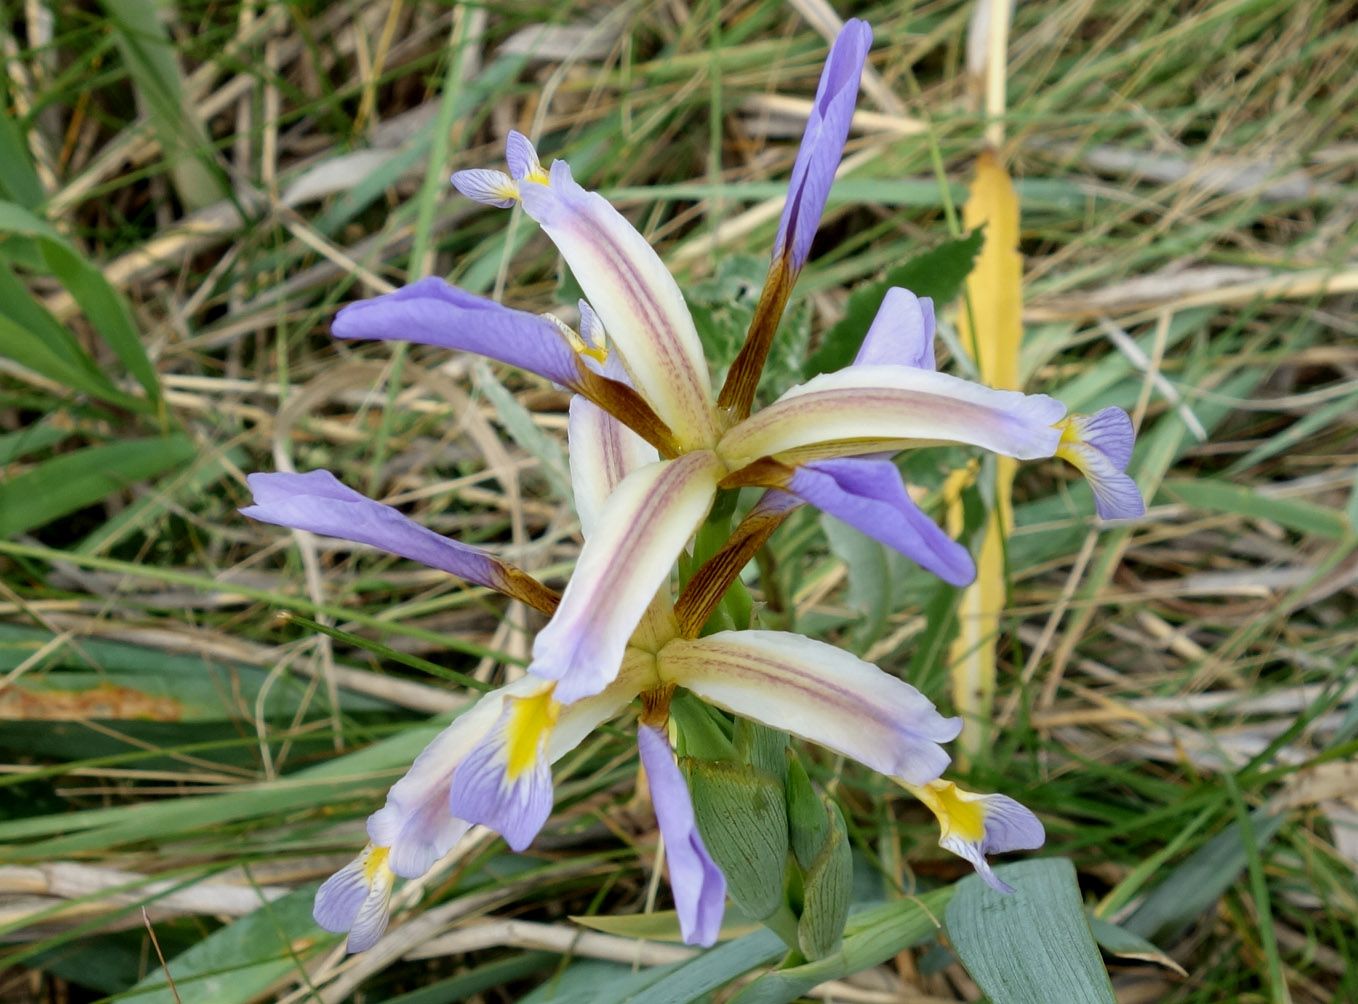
(374, 860)
(959, 816)
(530, 722)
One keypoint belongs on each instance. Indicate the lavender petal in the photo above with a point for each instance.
(431, 312)
(698, 885)
(869, 496)
(822, 143)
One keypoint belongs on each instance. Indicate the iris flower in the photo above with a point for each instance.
(638, 357)
(492, 765)
(651, 447)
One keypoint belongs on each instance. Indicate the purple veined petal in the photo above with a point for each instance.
(972, 825)
(698, 885)
(823, 143)
(636, 298)
(490, 188)
(818, 692)
(1100, 446)
(603, 451)
(902, 333)
(869, 409)
(415, 822)
(505, 780)
(522, 158)
(636, 539)
(431, 312)
(357, 899)
(319, 502)
(869, 496)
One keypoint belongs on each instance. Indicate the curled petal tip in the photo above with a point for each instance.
(490, 188)
(1100, 447)
(973, 825)
(357, 899)
(522, 158)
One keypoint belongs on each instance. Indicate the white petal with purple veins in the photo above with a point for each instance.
(818, 692)
(636, 298)
(867, 409)
(636, 539)
(603, 451)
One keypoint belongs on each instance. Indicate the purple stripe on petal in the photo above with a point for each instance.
(491, 188)
(431, 312)
(487, 789)
(357, 899)
(822, 143)
(635, 297)
(521, 156)
(1110, 432)
(902, 333)
(818, 692)
(869, 496)
(1100, 445)
(698, 884)
(317, 501)
(636, 538)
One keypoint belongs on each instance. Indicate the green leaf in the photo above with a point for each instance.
(18, 180)
(1031, 946)
(826, 888)
(56, 356)
(1295, 514)
(873, 936)
(236, 963)
(1124, 944)
(1204, 876)
(98, 300)
(808, 823)
(938, 274)
(72, 481)
(153, 64)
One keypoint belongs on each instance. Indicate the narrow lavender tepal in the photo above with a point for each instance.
(869, 496)
(431, 312)
(902, 332)
(319, 502)
(823, 143)
(698, 884)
